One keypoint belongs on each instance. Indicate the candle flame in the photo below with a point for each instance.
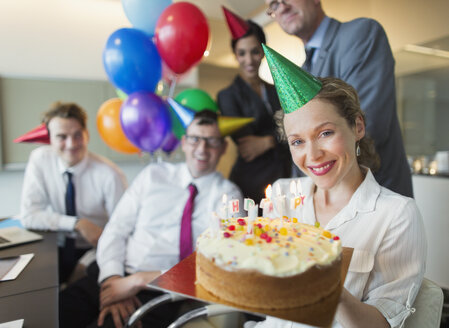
(268, 192)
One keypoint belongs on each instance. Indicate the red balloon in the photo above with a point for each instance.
(181, 36)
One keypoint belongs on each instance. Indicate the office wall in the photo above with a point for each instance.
(23, 101)
(57, 38)
(431, 196)
(65, 38)
(405, 21)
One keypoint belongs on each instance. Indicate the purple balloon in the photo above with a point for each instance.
(145, 120)
(170, 143)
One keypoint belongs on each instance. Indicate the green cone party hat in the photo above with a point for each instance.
(295, 87)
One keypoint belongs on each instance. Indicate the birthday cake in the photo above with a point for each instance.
(272, 264)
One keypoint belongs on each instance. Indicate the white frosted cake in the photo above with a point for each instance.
(277, 266)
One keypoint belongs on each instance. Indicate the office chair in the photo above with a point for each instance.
(209, 316)
(428, 306)
(426, 310)
(150, 305)
(205, 311)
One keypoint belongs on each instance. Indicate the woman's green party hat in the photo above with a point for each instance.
(295, 87)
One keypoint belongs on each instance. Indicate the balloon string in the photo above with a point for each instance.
(172, 86)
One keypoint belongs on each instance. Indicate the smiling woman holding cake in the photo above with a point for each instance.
(325, 129)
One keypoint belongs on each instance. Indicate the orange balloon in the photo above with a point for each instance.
(110, 129)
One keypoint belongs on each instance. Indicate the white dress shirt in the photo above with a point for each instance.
(99, 184)
(143, 232)
(387, 234)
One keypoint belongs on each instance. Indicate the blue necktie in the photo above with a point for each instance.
(70, 209)
(70, 206)
(307, 66)
(67, 254)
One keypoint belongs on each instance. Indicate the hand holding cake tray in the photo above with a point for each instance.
(276, 267)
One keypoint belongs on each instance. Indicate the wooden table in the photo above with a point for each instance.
(33, 295)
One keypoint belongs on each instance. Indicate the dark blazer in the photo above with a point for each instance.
(358, 52)
(240, 100)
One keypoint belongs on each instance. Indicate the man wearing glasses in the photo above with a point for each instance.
(357, 52)
(144, 236)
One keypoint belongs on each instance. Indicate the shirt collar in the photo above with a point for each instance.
(200, 182)
(75, 169)
(317, 38)
(362, 201)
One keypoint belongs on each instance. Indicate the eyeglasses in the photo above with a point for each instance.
(212, 142)
(274, 5)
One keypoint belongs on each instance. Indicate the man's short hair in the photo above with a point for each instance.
(66, 110)
(206, 117)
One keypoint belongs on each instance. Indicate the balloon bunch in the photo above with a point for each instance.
(165, 42)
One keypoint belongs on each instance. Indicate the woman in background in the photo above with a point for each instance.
(262, 158)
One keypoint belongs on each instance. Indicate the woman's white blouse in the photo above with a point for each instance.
(387, 234)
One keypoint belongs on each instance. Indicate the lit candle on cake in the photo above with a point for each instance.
(299, 190)
(214, 224)
(280, 203)
(224, 210)
(266, 203)
(293, 188)
(299, 186)
(234, 206)
(296, 190)
(295, 201)
(247, 204)
(252, 209)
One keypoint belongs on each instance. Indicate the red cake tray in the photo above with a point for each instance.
(181, 280)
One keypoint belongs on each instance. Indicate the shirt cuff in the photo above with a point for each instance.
(67, 223)
(88, 257)
(395, 313)
(110, 269)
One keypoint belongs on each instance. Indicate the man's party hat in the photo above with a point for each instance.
(185, 115)
(229, 124)
(39, 134)
(237, 25)
(295, 87)
(226, 124)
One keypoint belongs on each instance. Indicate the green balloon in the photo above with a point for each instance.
(196, 99)
(121, 94)
(176, 126)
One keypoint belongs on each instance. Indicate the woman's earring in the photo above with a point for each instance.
(357, 150)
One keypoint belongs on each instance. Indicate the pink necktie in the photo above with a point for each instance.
(185, 241)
